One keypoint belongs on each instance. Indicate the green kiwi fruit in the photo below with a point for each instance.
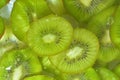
(80, 55)
(117, 70)
(39, 77)
(106, 74)
(16, 64)
(82, 10)
(3, 3)
(100, 25)
(24, 13)
(115, 29)
(89, 74)
(56, 6)
(1, 27)
(50, 35)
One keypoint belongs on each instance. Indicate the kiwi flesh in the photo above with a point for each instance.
(3, 3)
(116, 70)
(100, 25)
(82, 10)
(24, 13)
(50, 35)
(1, 27)
(106, 74)
(16, 64)
(89, 74)
(39, 77)
(80, 55)
(115, 29)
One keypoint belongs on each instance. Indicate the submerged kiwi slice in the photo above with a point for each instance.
(17, 64)
(100, 25)
(3, 3)
(1, 27)
(39, 77)
(115, 28)
(24, 13)
(56, 6)
(89, 74)
(80, 55)
(117, 70)
(106, 74)
(84, 9)
(50, 35)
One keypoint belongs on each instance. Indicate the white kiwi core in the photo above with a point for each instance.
(49, 38)
(86, 2)
(17, 73)
(74, 52)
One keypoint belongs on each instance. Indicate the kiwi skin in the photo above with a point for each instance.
(25, 12)
(69, 63)
(2, 28)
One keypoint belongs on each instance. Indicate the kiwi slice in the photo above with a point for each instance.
(117, 70)
(39, 77)
(80, 55)
(50, 35)
(115, 28)
(56, 6)
(100, 25)
(24, 13)
(16, 64)
(1, 27)
(82, 10)
(106, 74)
(3, 3)
(89, 74)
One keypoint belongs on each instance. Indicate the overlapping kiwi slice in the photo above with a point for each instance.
(1, 27)
(84, 9)
(24, 13)
(89, 74)
(106, 74)
(39, 77)
(3, 3)
(80, 55)
(100, 25)
(117, 70)
(56, 6)
(115, 28)
(50, 35)
(16, 64)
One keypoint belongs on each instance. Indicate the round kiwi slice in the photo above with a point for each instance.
(50, 35)
(115, 28)
(24, 13)
(39, 77)
(56, 6)
(17, 64)
(100, 25)
(106, 74)
(84, 9)
(117, 70)
(1, 27)
(80, 55)
(89, 74)
(3, 3)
